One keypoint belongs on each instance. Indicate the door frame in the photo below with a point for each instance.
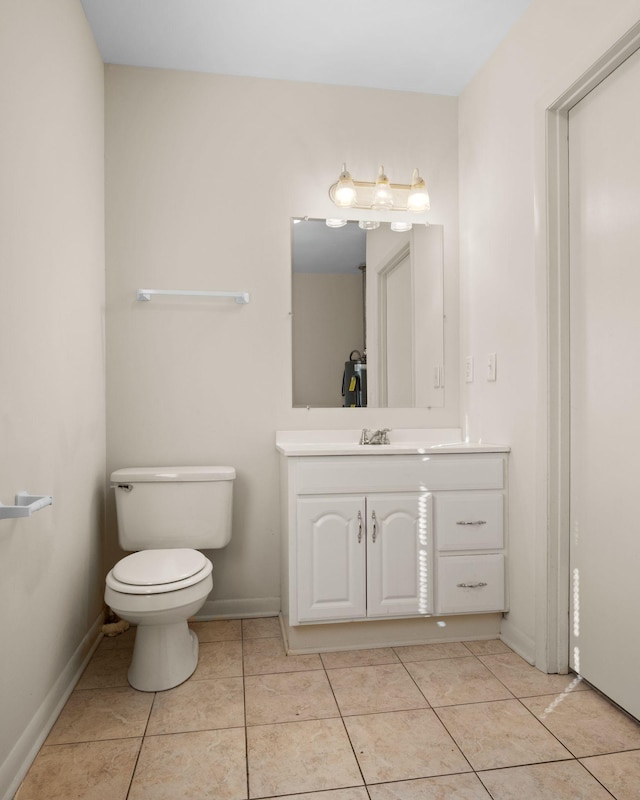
(552, 645)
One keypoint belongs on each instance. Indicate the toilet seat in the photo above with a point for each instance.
(158, 571)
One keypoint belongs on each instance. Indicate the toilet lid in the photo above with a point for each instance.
(159, 567)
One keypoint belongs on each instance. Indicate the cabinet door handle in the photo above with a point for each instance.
(374, 532)
(478, 585)
(359, 527)
(474, 522)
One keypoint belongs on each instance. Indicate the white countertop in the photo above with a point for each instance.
(404, 441)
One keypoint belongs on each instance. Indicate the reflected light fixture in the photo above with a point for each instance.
(335, 223)
(401, 227)
(381, 194)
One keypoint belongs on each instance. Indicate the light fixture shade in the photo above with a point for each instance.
(368, 224)
(345, 192)
(418, 199)
(401, 227)
(335, 223)
(382, 197)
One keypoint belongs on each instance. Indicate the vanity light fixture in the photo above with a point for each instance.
(381, 194)
(368, 224)
(418, 199)
(345, 194)
(382, 197)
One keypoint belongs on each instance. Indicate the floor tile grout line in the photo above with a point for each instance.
(557, 738)
(137, 761)
(427, 701)
(454, 740)
(244, 703)
(595, 778)
(142, 741)
(453, 705)
(344, 727)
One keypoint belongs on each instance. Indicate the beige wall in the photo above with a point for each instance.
(327, 326)
(502, 263)
(52, 398)
(203, 175)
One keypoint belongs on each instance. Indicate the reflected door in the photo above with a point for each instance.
(397, 336)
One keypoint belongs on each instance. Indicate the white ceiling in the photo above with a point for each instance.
(432, 46)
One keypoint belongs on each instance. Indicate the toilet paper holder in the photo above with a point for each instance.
(25, 505)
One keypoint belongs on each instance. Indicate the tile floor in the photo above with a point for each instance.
(458, 721)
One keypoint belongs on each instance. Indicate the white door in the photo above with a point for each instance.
(331, 549)
(399, 541)
(604, 137)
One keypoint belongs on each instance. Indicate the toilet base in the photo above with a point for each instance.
(163, 656)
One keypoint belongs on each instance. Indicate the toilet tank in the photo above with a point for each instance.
(159, 507)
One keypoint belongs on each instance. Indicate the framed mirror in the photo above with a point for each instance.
(368, 316)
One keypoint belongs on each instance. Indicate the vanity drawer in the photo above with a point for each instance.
(396, 473)
(469, 521)
(470, 584)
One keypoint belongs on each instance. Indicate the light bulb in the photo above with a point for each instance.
(418, 199)
(382, 197)
(335, 223)
(345, 192)
(368, 224)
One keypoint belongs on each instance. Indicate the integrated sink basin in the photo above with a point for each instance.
(401, 441)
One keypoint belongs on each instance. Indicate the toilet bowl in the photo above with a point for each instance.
(166, 515)
(158, 590)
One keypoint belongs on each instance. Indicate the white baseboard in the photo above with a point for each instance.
(17, 763)
(519, 642)
(238, 609)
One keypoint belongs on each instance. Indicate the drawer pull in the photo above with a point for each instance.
(475, 522)
(478, 585)
(359, 527)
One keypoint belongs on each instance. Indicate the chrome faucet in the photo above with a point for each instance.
(375, 437)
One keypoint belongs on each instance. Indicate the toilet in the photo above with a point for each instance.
(167, 515)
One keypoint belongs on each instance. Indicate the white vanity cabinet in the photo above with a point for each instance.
(362, 556)
(372, 537)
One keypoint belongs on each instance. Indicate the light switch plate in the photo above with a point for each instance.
(492, 367)
(468, 369)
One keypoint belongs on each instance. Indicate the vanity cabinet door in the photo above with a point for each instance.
(399, 554)
(331, 548)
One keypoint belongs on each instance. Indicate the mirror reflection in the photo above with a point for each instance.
(368, 318)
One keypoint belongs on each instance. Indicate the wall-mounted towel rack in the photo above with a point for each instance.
(145, 294)
(25, 505)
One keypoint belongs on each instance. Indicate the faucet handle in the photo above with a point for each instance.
(365, 436)
(384, 435)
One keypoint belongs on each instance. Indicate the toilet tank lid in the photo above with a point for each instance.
(172, 474)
